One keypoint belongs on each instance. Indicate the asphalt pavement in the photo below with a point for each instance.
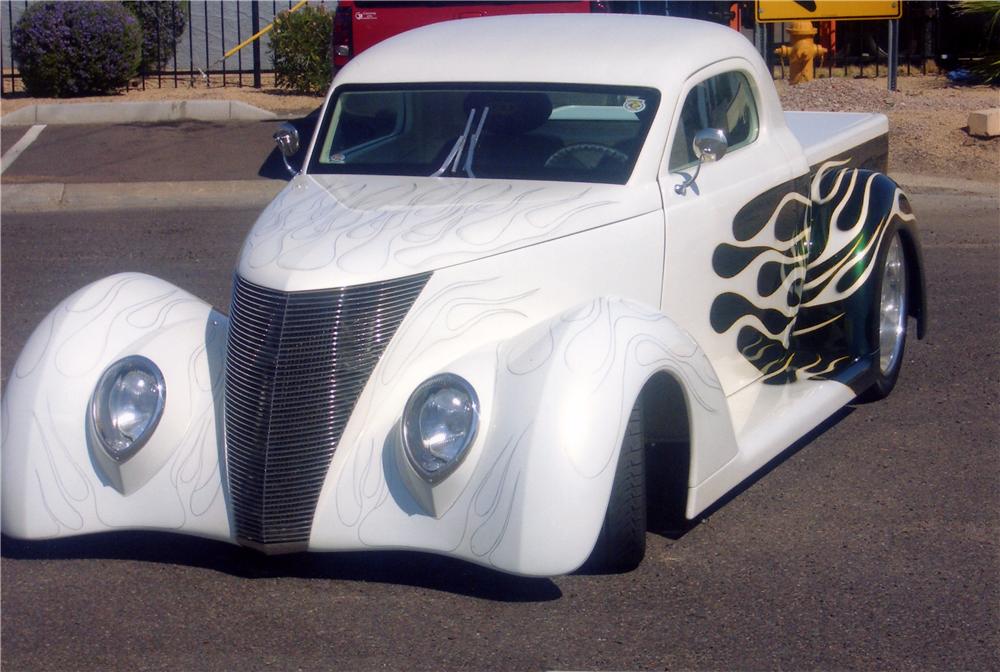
(186, 163)
(873, 545)
(189, 163)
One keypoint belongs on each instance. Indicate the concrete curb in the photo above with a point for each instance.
(925, 183)
(53, 197)
(131, 113)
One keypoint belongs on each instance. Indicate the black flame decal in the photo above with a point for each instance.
(812, 300)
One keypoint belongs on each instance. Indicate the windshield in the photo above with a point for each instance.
(563, 133)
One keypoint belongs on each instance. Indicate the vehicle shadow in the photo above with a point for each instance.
(274, 167)
(420, 570)
(665, 514)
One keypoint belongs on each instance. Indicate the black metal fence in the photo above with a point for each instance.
(214, 27)
(210, 29)
(860, 48)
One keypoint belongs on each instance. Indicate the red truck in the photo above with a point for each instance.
(359, 24)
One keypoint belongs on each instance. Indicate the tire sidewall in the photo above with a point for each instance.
(884, 382)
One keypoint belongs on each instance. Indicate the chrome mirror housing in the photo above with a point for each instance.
(710, 144)
(287, 139)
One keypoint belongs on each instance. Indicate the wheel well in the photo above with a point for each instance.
(916, 289)
(667, 438)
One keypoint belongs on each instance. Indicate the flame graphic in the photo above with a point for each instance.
(796, 325)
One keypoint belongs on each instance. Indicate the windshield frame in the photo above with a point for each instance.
(651, 96)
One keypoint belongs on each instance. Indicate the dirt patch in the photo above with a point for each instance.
(928, 121)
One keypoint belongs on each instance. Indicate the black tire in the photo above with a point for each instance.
(621, 544)
(892, 273)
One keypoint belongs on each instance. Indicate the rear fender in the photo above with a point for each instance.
(854, 214)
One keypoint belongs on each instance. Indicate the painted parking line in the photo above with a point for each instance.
(20, 146)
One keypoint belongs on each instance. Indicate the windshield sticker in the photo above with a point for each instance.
(635, 105)
(338, 158)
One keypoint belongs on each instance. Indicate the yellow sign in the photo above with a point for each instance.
(825, 10)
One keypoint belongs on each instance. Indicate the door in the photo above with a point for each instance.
(736, 240)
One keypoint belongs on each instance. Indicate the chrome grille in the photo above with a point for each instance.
(295, 366)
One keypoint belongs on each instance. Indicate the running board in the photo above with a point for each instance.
(769, 419)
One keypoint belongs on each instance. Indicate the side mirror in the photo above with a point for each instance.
(287, 139)
(710, 144)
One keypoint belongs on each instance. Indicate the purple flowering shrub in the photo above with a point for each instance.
(68, 49)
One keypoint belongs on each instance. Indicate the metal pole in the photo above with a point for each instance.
(190, 32)
(208, 60)
(893, 52)
(758, 37)
(173, 38)
(159, 68)
(239, 38)
(222, 30)
(255, 27)
(3, 71)
(928, 54)
(10, 41)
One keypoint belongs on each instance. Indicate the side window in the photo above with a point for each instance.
(724, 102)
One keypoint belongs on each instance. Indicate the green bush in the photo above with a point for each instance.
(163, 23)
(988, 11)
(300, 47)
(76, 48)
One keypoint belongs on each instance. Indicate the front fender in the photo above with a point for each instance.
(573, 383)
(53, 485)
(531, 496)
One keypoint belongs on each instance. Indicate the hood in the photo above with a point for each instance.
(326, 231)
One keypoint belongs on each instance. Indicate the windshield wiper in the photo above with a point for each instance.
(456, 149)
(475, 142)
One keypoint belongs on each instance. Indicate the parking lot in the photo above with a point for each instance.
(872, 544)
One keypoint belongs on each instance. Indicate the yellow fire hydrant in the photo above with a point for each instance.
(801, 52)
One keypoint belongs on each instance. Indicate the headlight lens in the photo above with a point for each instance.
(127, 404)
(439, 424)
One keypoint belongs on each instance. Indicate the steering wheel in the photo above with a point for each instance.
(584, 155)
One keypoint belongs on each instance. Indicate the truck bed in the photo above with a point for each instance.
(824, 135)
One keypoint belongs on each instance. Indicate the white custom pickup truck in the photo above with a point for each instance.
(527, 262)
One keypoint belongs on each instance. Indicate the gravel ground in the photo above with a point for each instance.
(928, 120)
(927, 116)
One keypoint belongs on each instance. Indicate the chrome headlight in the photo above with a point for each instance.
(127, 405)
(439, 424)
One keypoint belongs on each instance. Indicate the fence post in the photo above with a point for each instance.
(173, 38)
(893, 52)
(759, 40)
(190, 32)
(255, 27)
(208, 60)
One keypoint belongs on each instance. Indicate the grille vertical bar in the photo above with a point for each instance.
(295, 366)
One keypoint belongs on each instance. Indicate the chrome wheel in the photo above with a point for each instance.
(892, 310)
